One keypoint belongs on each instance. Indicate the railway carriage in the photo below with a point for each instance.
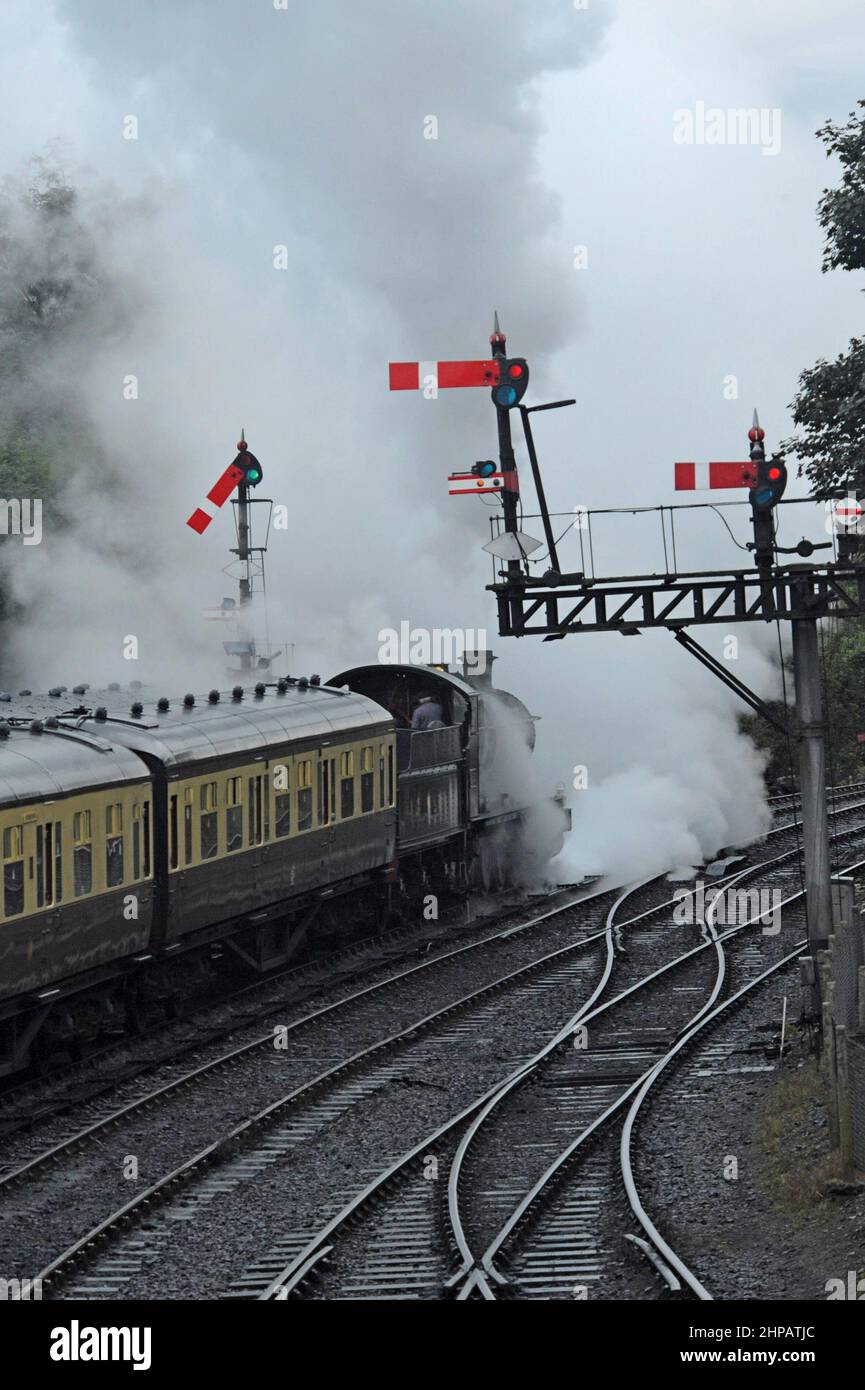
(135, 844)
(75, 823)
(142, 847)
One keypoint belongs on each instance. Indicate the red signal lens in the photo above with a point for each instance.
(515, 369)
(774, 474)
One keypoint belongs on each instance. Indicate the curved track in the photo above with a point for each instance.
(478, 1273)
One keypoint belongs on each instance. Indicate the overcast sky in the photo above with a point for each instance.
(303, 126)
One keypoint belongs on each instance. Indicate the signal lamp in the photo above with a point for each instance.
(252, 470)
(513, 380)
(770, 484)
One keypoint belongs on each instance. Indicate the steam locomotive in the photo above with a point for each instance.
(145, 847)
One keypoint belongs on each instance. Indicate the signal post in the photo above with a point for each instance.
(243, 473)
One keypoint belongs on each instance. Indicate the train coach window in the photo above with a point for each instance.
(113, 845)
(304, 794)
(207, 806)
(382, 792)
(172, 831)
(82, 853)
(346, 785)
(187, 824)
(233, 816)
(49, 869)
(366, 779)
(255, 812)
(58, 861)
(390, 787)
(283, 813)
(136, 840)
(145, 821)
(40, 866)
(326, 789)
(13, 871)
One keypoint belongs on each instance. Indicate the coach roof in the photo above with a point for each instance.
(205, 730)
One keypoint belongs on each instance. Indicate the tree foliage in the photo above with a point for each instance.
(52, 289)
(829, 406)
(843, 669)
(841, 211)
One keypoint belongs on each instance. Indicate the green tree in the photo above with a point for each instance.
(829, 406)
(843, 666)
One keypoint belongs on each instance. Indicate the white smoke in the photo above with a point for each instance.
(304, 127)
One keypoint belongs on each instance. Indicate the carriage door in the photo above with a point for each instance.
(327, 805)
(256, 806)
(43, 873)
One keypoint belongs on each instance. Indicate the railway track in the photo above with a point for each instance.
(326, 1095)
(565, 1236)
(691, 1039)
(220, 1016)
(297, 1117)
(326, 1092)
(550, 1237)
(832, 793)
(12, 1171)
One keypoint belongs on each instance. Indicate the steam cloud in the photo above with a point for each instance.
(304, 128)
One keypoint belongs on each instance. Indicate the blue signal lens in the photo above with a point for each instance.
(763, 496)
(505, 395)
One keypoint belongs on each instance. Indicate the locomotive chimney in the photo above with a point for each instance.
(478, 668)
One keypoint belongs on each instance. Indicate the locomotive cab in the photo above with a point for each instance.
(466, 791)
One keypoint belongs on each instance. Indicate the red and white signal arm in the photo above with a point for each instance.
(460, 484)
(415, 376)
(700, 477)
